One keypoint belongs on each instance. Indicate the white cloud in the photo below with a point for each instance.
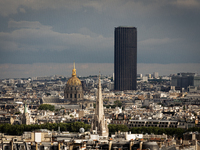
(187, 3)
(35, 36)
(22, 10)
(27, 24)
(8, 7)
(153, 41)
(86, 31)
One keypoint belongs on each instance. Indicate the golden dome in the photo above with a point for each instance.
(74, 80)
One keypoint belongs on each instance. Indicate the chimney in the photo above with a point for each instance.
(131, 144)
(141, 145)
(110, 143)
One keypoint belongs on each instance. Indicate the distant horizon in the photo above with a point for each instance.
(86, 69)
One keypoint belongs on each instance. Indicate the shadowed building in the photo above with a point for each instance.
(184, 80)
(125, 59)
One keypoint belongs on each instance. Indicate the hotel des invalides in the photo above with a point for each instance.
(73, 95)
(73, 98)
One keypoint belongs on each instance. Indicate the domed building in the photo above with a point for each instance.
(73, 90)
(73, 95)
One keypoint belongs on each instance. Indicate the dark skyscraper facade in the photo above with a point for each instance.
(125, 61)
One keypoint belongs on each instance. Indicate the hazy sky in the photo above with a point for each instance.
(44, 37)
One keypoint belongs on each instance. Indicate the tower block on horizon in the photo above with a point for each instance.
(125, 58)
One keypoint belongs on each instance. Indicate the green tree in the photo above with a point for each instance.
(46, 107)
(75, 126)
(118, 103)
(122, 128)
(114, 128)
(106, 100)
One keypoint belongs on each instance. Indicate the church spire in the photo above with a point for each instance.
(74, 71)
(25, 117)
(99, 101)
(25, 109)
(99, 123)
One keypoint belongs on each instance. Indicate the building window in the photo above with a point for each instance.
(78, 95)
(74, 95)
(70, 95)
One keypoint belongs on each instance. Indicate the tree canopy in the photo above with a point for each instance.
(20, 129)
(178, 132)
(46, 107)
(75, 126)
(118, 103)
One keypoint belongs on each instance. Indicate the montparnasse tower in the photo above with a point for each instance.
(99, 123)
(125, 58)
(73, 89)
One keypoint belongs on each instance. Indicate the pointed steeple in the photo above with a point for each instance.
(99, 118)
(74, 71)
(25, 117)
(99, 102)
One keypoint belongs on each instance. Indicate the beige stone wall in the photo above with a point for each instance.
(32, 139)
(73, 93)
(11, 120)
(45, 137)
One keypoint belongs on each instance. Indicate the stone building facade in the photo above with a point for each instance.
(73, 89)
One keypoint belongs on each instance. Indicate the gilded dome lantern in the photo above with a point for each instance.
(74, 80)
(74, 71)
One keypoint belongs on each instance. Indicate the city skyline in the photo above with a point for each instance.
(45, 38)
(31, 70)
